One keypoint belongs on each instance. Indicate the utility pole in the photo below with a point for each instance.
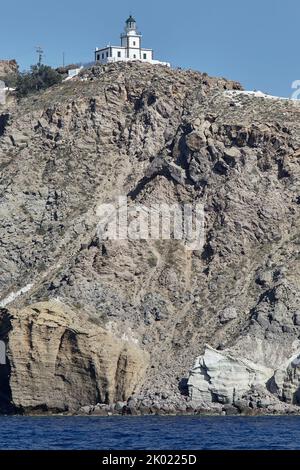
(40, 53)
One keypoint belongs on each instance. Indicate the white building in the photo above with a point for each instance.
(73, 72)
(130, 48)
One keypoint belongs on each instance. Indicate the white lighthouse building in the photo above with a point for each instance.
(130, 48)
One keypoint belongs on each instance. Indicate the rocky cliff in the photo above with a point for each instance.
(59, 360)
(151, 134)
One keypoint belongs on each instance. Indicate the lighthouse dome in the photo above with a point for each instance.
(130, 20)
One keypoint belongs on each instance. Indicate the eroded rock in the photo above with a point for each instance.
(221, 377)
(60, 361)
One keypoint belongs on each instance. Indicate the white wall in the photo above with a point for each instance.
(115, 52)
(134, 41)
(149, 54)
(134, 54)
(74, 72)
(102, 56)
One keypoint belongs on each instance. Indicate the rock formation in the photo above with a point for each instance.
(271, 340)
(220, 377)
(151, 134)
(8, 68)
(59, 360)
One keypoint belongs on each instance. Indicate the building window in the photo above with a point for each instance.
(102, 56)
(145, 56)
(134, 56)
(98, 56)
(119, 53)
(107, 54)
(134, 43)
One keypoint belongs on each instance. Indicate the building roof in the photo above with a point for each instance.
(130, 20)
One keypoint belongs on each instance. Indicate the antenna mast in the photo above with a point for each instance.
(40, 53)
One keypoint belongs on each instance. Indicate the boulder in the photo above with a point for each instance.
(232, 152)
(220, 377)
(227, 315)
(195, 140)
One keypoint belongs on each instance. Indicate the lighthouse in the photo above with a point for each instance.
(130, 48)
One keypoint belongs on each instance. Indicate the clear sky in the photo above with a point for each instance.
(253, 41)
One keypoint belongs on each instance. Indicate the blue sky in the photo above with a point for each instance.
(253, 41)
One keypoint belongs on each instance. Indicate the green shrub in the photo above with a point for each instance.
(40, 77)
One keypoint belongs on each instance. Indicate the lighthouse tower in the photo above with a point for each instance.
(130, 48)
(131, 39)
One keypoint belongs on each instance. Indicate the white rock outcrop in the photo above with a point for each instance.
(218, 376)
(286, 381)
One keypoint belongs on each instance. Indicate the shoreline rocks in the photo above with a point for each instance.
(239, 409)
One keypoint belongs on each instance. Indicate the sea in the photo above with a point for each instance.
(150, 433)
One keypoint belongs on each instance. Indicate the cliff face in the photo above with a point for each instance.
(151, 134)
(59, 360)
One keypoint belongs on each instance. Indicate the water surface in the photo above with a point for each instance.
(149, 433)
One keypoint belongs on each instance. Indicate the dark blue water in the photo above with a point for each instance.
(149, 433)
